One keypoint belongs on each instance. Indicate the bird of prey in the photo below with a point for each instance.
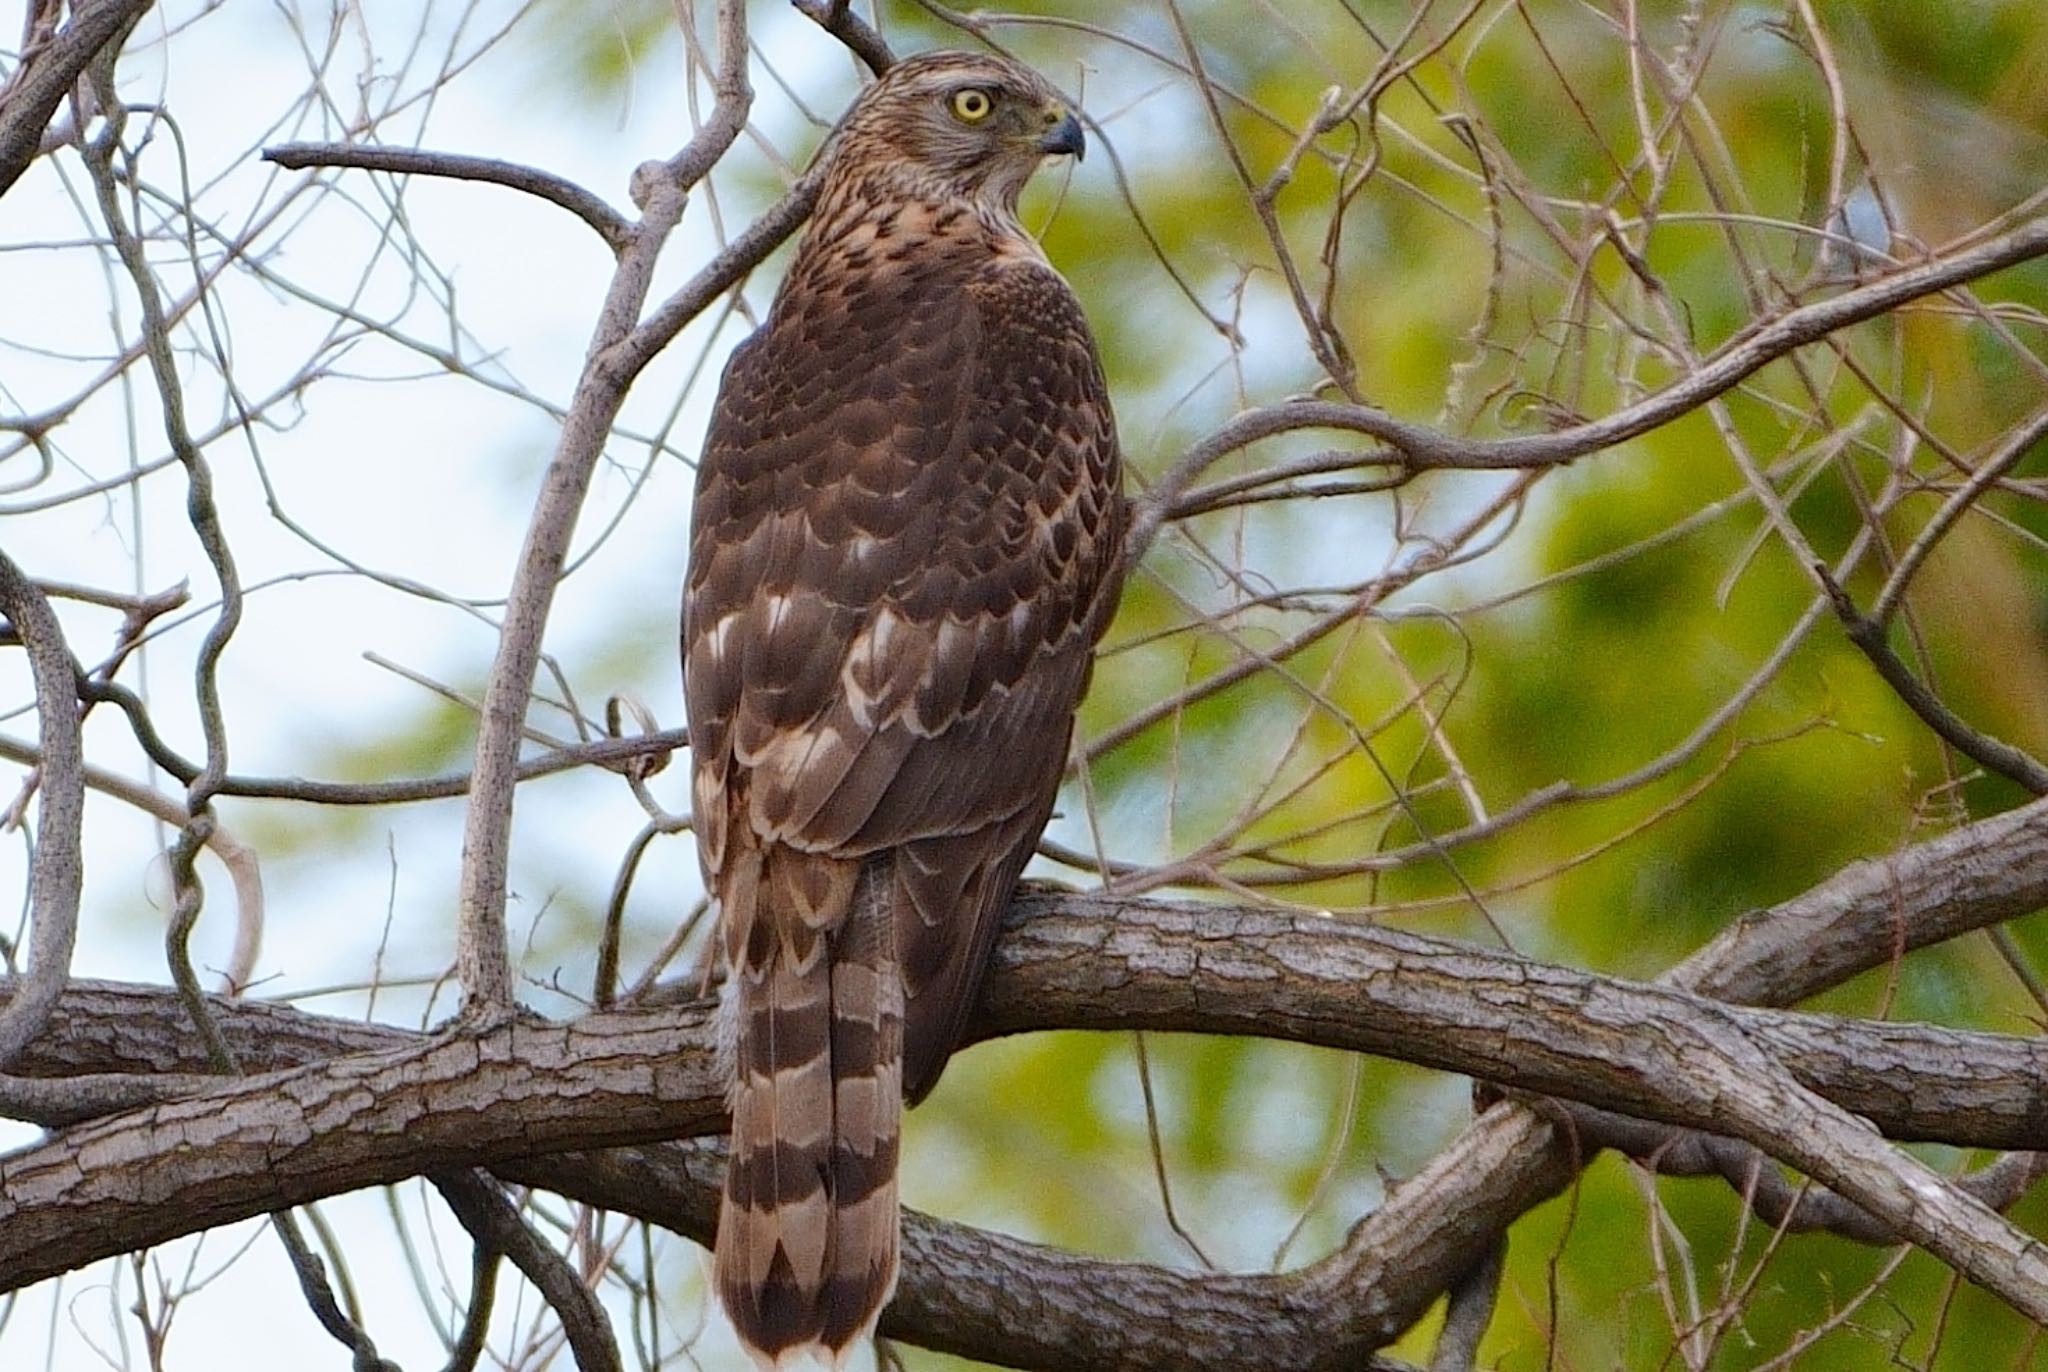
(905, 544)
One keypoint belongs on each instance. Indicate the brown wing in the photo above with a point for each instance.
(904, 546)
(905, 543)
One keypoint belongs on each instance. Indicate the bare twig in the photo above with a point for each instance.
(609, 753)
(2012, 448)
(319, 1294)
(837, 18)
(1415, 448)
(244, 870)
(204, 517)
(495, 1225)
(1868, 634)
(482, 956)
(613, 227)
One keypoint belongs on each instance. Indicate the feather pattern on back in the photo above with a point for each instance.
(905, 544)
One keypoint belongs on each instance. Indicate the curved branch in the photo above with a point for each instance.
(988, 1296)
(58, 869)
(837, 18)
(1792, 1206)
(1972, 877)
(494, 1224)
(245, 872)
(1014, 1303)
(1115, 963)
(1074, 962)
(610, 225)
(1868, 634)
(2011, 450)
(746, 252)
(1413, 447)
(257, 1144)
(1510, 1160)
(30, 98)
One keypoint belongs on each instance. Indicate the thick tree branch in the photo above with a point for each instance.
(1981, 874)
(1165, 966)
(1118, 963)
(48, 74)
(1107, 962)
(976, 1300)
(1008, 1301)
(1512, 1159)
(257, 1144)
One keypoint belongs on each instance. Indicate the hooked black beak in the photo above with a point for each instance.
(1064, 136)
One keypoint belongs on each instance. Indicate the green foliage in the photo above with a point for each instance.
(1643, 587)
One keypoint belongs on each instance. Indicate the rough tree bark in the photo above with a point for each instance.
(340, 1105)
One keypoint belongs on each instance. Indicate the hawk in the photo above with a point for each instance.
(905, 544)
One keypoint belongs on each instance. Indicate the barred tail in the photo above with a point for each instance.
(807, 1234)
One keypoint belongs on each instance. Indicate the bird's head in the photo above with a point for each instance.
(963, 123)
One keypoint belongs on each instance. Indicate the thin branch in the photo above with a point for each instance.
(139, 609)
(97, 692)
(245, 873)
(57, 871)
(1794, 1207)
(1868, 634)
(2011, 450)
(614, 228)
(319, 1294)
(203, 514)
(1414, 447)
(494, 1223)
(609, 753)
(746, 252)
(837, 18)
(473, 1339)
(482, 958)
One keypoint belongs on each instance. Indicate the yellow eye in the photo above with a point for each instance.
(972, 106)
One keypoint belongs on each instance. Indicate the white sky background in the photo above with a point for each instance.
(429, 480)
(415, 473)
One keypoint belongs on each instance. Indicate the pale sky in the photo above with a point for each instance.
(414, 473)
